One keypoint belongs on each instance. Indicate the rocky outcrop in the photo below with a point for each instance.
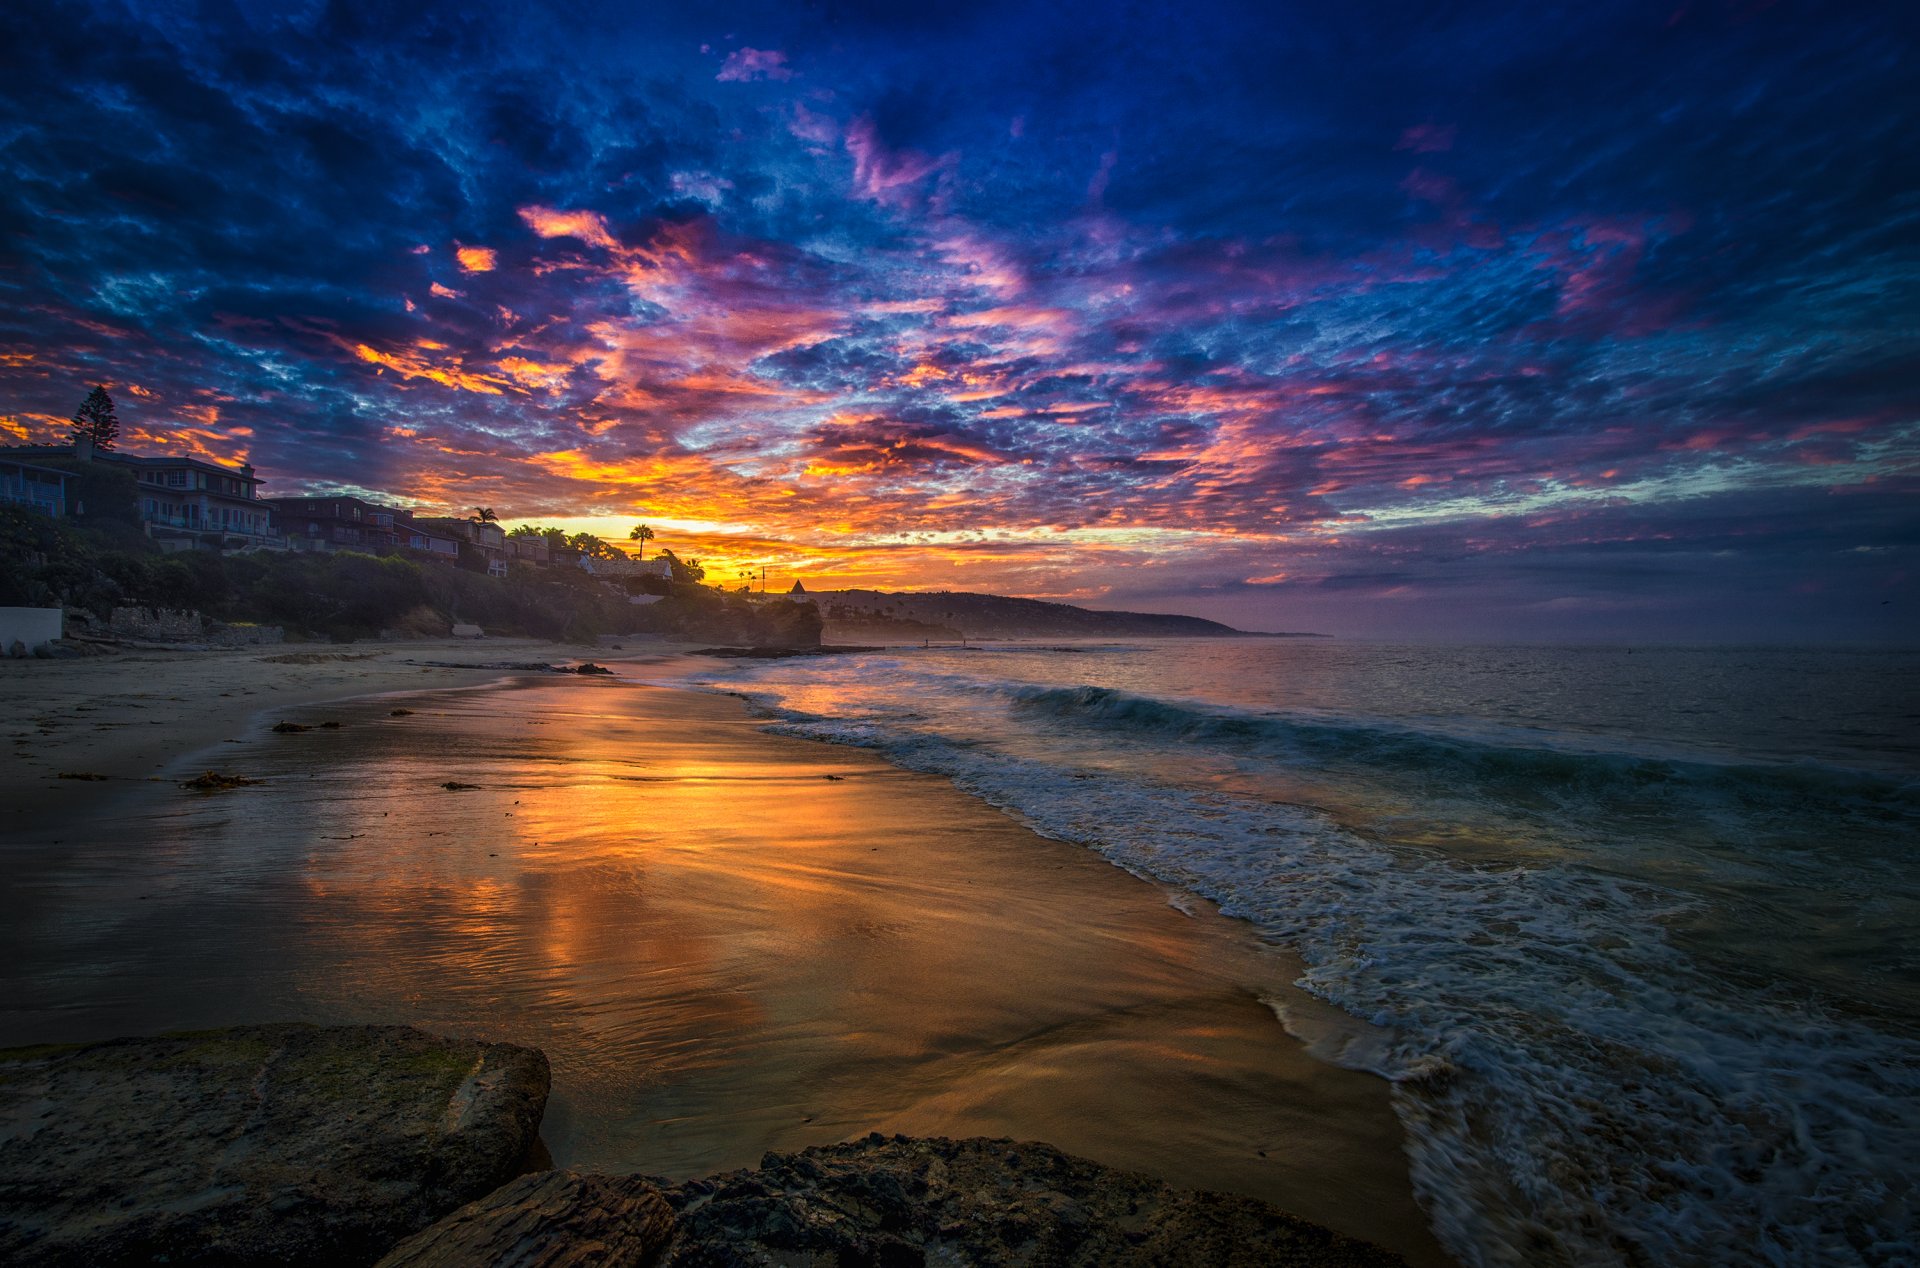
(885, 1202)
(284, 1145)
(555, 1219)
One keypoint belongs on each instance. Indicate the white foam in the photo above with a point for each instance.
(1575, 1088)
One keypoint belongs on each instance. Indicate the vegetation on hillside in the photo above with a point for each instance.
(98, 566)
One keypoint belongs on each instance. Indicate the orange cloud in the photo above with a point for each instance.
(195, 442)
(588, 226)
(413, 366)
(551, 376)
(476, 259)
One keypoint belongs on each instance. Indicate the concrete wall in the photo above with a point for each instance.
(29, 627)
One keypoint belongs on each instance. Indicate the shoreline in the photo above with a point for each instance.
(975, 979)
(96, 715)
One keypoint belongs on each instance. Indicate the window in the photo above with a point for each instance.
(176, 479)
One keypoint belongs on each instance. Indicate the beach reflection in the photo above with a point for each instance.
(726, 942)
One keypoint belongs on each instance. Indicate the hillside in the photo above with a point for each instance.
(957, 613)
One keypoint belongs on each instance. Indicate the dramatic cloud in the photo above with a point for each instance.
(752, 63)
(1502, 321)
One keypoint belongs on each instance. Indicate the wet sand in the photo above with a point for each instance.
(726, 941)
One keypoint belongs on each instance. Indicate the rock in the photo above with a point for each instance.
(468, 631)
(454, 785)
(896, 1200)
(289, 728)
(884, 1201)
(283, 1144)
(556, 1219)
(214, 781)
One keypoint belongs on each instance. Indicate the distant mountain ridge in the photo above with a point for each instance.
(953, 614)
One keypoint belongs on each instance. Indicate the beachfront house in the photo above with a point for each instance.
(484, 544)
(182, 502)
(42, 488)
(533, 550)
(337, 522)
(432, 542)
(200, 502)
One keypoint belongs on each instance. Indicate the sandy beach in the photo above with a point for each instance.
(726, 941)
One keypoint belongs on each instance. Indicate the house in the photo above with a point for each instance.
(435, 543)
(183, 502)
(533, 550)
(482, 538)
(199, 499)
(799, 594)
(42, 488)
(337, 522)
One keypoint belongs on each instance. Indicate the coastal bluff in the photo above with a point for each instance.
(307, 1145)
(277, 1144)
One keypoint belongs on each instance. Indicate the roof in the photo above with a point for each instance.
(797, 589)
(242, 471)
(28, 466)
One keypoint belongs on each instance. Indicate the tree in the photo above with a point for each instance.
(96, 420)
(592, 547)
(556, 538)
(642, 534)
(485, 515)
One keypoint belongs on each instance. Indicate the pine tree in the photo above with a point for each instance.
(96, 419)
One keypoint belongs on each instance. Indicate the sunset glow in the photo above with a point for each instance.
(1180, 312)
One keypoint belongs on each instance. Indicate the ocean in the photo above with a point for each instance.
(1634, 933)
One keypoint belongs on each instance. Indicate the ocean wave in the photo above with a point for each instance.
(1543, 764)
(1576, 1089)
(1576, 1085)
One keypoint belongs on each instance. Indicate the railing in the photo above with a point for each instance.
(48, 503)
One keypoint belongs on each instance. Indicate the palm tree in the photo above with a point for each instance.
(485, 514)
(642, 534)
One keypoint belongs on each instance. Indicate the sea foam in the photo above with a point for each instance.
(1576, 1087)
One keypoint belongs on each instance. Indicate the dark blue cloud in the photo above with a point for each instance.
(1405, 295)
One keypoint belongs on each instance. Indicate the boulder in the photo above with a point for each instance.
(282, 1144)
(556, 1219)
(885, 1202)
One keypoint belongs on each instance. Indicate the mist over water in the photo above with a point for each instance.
(1643, 924)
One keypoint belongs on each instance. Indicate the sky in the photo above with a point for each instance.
(1382, 320)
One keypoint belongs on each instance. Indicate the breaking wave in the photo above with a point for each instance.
(1578, 1087)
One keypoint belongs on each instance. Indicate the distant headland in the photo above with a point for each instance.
(867, 615)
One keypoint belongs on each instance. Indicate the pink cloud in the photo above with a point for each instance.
(745, 64)
(888, 175)
(1427, 138)
(812, 127)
